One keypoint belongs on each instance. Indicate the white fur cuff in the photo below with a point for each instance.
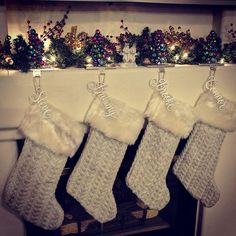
(58, 133)
(124, 127)
(179, 120)
(208, 112)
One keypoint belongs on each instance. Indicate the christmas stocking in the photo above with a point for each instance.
(147, 176)
(197, 163)
(30, 188)
(93, 177)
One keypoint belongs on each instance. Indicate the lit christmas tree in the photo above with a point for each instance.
(59, 54)
(100, 50)
(209, 50)
(181, 46)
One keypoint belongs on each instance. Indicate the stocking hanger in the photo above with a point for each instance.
(210, 85)
(160, 85)
(39, 96)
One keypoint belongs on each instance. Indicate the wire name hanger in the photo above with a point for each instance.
(160, 85)
(39, 96)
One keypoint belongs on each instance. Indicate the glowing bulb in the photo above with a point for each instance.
(53, 58)
(185, 55)
(109, 59)
(176, 57)
(44, 58)
(172, 47)
(222, 61)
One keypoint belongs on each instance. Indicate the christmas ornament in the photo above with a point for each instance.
(209, 50)
(30, 189)
(196, 165)
(181, 46)
(93, 177)
(147, 176)
(21, 54)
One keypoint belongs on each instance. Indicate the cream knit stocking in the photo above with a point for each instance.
(92, 179)
(30, 189)
(197, 163)
(147, 176)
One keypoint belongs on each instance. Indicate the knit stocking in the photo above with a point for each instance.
(197, 163)
(147, 176)
(30, 189)
(92, 179)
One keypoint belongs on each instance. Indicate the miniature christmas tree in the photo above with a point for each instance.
(209, 50)
(158, 50)
(21, 54)
(59, 54)
(100, 49)
(143, 47)
(36, 48)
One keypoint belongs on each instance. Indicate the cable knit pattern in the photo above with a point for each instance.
(147, 176)
(92, 179)
(197, 163)
(30, 188)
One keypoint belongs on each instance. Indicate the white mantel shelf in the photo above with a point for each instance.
(67, 89)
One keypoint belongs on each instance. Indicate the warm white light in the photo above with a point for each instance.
(222, 60)
(176, 57)
(44, 58)
(53, 58)
(185, 55)
(172, 47)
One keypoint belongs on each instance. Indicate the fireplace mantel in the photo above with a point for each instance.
(67, 90)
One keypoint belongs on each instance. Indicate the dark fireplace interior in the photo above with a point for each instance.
(176, 219)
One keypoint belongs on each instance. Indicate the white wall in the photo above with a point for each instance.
(3, 23)
(89, 17)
